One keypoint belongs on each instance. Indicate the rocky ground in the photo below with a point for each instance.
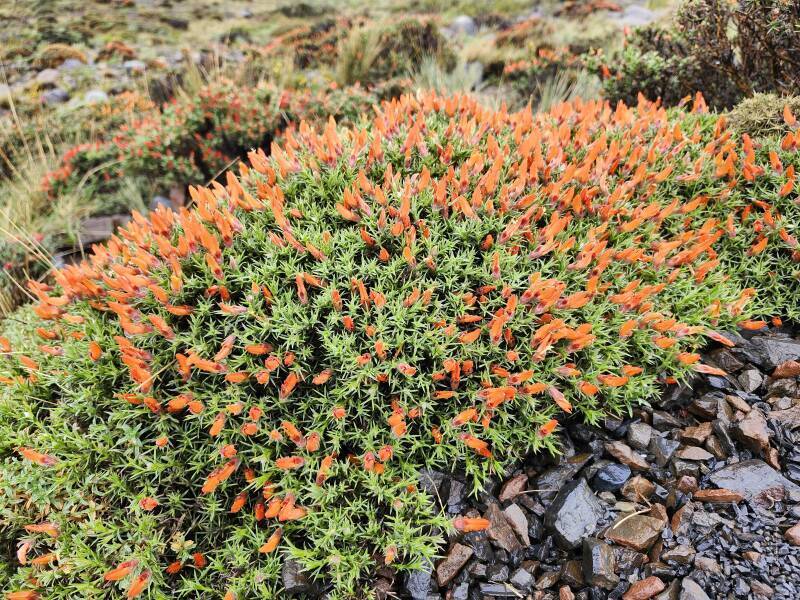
(693, 499)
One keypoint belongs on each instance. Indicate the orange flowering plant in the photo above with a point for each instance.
(259, 378)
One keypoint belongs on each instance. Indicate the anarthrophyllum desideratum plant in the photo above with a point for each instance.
(262, 376)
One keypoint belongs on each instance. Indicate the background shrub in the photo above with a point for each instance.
(727, 50)
(432, 290)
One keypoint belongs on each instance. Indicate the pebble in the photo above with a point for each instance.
(644, 589)
(573, 514)
(611, 477)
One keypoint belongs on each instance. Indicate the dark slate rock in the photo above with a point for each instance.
(418, 583)
(775, 350)
(611, 477)
(553, 479)
(294, 580)
(663, 449)
(751, 477)
(599, 564)
(522, 580)
(573, 514)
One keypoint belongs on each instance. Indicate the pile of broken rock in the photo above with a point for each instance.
(695, 498)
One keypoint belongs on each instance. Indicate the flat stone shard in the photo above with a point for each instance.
(635, 531)
(573, 515)
(751, 477)
(644, 589)
(500, 532)
(690, 590)
(453, 563)
(599, 564)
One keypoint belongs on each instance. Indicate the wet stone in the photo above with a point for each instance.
(611, 477)
(500, 532)
(453, 563)
(572, 573)
(497, 572)
(547, 580)
(663, 449)
(663, 421)
(644, 589)
(599, 564)
(751, 477)
(624, 454)
(750, 380)
(638, 532)
(698, 434)
(753, 431)
(522, 580)
(628, 560)
(573, 514)
(639, 435)
(775, 351)
(457, 497)
(294, 580)
(638, 489)
(518, 522)
(681, 554)
(480, 545)
(552, 480)
(418, 583)
(694, 453)
(513, 487)
(690, 590)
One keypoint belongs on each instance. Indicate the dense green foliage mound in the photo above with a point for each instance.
(261, 377)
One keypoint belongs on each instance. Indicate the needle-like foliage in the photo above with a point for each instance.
(259, 378)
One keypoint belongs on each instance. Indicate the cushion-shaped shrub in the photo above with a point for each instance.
(259, 378)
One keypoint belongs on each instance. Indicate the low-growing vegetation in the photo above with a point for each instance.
(260, 378)
(727, 50)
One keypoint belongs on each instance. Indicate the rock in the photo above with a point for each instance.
(761, 589)
(792, 535)
(638, 489)
(599, 564)
(294, 580)
(48, 77)
(573, 514)
(790, 368)
(753, 431)
(453, 563)
(726, 360)
(547, 580)
(663, 449)
(464, 25)
(461, 591)
(693, 453)
(95, 97)
(691, 591)
(552, 480)
(611, 477)
(513, 487)
(751, 477)
(418, 583)
(775, 350)
(706, 406)
(639, 435)
(433, 482)
(671, 593)
(789, 417)
(663, 421)
(500, 532)
(498, 590)
(635, 531)
(624, 454)
(697, 435)
(518, 522)
(750, 380)
(644, 589)
(572, 573)
(721, 496)
(522, 580)
(564, 593)
(54, 96)
(134, 66)
(681, 554)
(709, 565)
(737, 403)
(687, 484)
(782, 388)
(457, 497)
